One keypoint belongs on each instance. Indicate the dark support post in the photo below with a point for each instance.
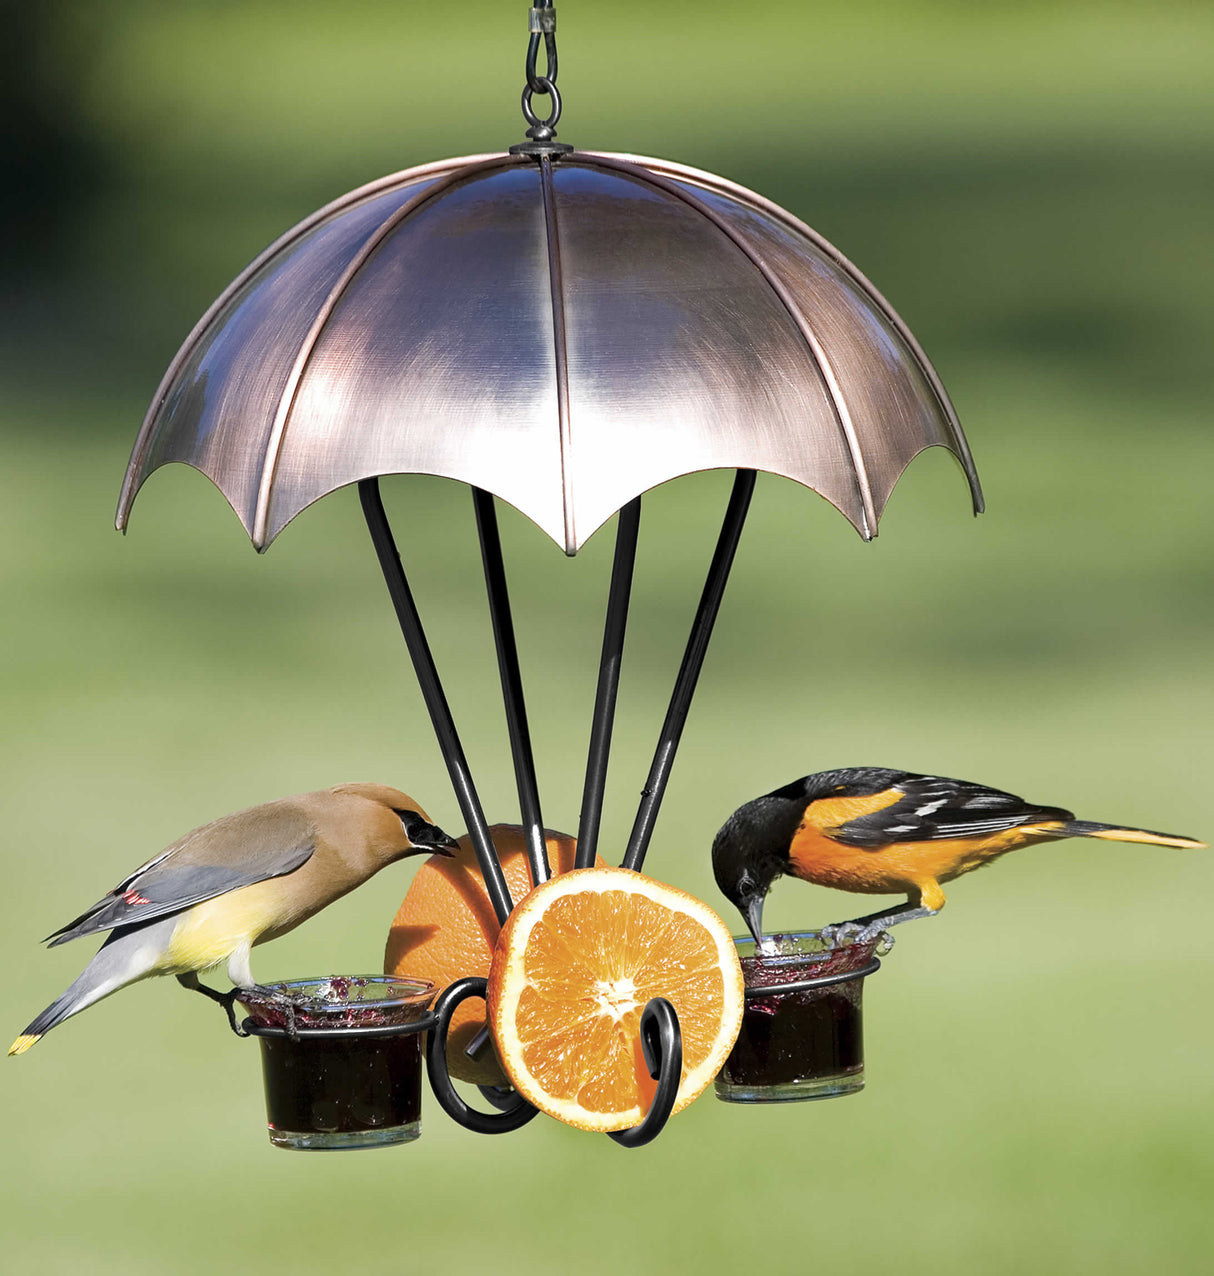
(512, 685)
(436, 701)
(627, 528)
(689, 671)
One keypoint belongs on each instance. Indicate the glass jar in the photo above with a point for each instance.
(341, 1058)
(802, 1030)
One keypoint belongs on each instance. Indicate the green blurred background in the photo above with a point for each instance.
(1032, 186)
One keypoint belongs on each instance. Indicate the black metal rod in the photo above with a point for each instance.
(512, 685)
(689, 670)
(436, 700)
(627, 528)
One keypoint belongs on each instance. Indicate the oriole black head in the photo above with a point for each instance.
(751, 850)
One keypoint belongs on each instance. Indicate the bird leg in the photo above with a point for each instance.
(226, 999)
(241, 974)
(862, 930)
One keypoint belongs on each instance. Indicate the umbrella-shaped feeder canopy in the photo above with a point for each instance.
(563, 330)
(565, 335)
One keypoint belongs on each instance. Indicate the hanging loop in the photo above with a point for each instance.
(510, 1115)
(547, 125)
(542, 25)
(662, 1046)
(541, 130)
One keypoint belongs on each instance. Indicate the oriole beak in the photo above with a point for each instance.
(754, 918)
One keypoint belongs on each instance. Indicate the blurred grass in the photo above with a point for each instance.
(1031, 185)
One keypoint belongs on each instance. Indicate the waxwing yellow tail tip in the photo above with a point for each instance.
(23, 1042)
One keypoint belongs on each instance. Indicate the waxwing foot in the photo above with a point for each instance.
(226, 999)
(285, 1004)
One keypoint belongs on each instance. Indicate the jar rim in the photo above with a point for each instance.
(327, 997)
(797, 951)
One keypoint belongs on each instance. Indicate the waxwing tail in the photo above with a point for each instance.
(124, 958)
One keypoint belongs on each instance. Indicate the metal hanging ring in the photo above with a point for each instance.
(543, 85)
(662, 1045)
(510, 1115)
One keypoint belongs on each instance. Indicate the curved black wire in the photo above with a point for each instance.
(507, 1118)
(543, 28)
(662, 1044)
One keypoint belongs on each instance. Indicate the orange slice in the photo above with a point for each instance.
(572, 971)
(446, 928)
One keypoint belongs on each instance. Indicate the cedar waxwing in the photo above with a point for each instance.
(879, 832)
(236, 882)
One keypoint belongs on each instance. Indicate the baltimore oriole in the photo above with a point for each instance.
(877, 832)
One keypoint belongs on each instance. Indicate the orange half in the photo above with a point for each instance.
(446, 928)
(572, 971)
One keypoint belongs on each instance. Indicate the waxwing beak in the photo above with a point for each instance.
(429, 837)
(754, 918)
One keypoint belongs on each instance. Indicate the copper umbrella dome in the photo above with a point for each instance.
(565, 335)
(564, 330)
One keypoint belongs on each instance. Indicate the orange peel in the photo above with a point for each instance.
(572, 971)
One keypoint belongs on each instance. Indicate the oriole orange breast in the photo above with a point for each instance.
(913, 835)
(877, 831)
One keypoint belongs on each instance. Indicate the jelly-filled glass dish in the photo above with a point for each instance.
(802, 1034)
(341, 1058)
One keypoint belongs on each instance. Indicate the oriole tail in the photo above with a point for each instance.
(1115, 833)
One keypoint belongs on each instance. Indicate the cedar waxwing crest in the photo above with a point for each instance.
(385, 795)
(421, 832)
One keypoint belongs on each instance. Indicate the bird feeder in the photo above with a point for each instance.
(563, 330)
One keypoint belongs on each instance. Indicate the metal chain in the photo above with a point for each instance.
(542, 26)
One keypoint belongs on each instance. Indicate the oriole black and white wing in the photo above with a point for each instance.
(930, 808)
